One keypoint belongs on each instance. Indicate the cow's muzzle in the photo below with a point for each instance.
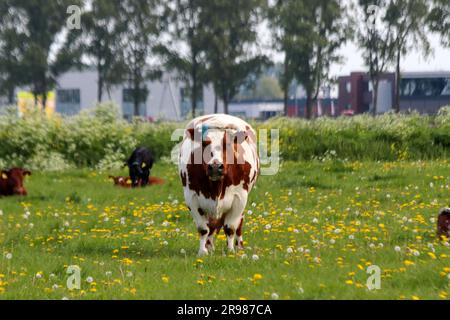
(215, 171)
(20, 191)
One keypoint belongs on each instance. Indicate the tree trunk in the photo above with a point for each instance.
(44, 100)
(136, 102)
(35, 97)
(136, 98)
(375, 82)
(308, 105)
(286, 100)
(100, 88)
(194, 94)
(44, 93)
(286, 88)
(216, 102)
(397, 83)
(225, 104)
(11, 96)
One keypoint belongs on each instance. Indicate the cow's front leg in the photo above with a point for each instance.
(203, 230)
(210, 242)
(144, 178)
(232, 223)
(239, 239)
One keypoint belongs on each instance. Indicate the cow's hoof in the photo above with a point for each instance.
(202, 252)
(231, 250)
(210, 245)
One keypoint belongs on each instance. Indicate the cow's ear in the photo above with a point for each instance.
(241, 136)
(4, 175)
(191, 133)
(26, 172)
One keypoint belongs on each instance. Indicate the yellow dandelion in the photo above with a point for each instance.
(257, 276)
(408, 263)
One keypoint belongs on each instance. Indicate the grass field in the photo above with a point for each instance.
(311, 232)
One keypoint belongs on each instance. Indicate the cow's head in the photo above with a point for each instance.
(221, 148)
(137, 171)
(118, 180)
(121, 181)
(14, 180)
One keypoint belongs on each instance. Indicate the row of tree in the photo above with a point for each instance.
(208, 42)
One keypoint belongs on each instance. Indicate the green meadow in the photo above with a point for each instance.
(311, 232)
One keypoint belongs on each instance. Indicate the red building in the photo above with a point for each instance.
(424, 92)
(355, 92)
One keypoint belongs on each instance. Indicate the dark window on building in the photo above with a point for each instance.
(127, 95)
(128, 110)
(366, 86)
(425, 87)
(68, 96)
(68, 101)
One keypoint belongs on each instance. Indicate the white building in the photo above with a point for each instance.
(167, 99)
(256, 109)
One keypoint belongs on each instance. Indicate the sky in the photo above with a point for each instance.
(439, 60)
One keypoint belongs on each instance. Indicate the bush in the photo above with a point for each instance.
(363, 137)
(98, 138)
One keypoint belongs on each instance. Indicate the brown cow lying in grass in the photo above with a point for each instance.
(11, 182)
(125, 182)
(443, 223)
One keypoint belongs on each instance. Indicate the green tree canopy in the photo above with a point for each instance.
(407, 19)
(102, 32)
(143, 20)
(439, 19)
(46, 54)
(11, 51)
(309, 33)
(186, 31)
(231, 33)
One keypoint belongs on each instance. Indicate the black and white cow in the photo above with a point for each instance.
(140, 163)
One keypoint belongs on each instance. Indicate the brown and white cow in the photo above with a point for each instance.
(11, 182)
(219, 166)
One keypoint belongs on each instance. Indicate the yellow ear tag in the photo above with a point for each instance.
(4, 176)
(128, 181)
(143, 165)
